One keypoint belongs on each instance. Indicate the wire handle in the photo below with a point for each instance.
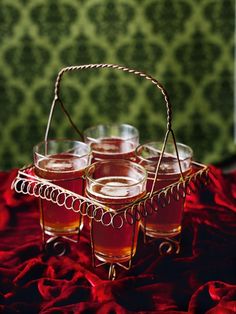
(124, 69)
(97, 66)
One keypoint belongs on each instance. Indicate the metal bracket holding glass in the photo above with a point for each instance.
(112, 183)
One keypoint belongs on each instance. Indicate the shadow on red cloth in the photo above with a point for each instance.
(201, 279)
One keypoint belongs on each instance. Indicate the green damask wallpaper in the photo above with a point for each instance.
(186, 44)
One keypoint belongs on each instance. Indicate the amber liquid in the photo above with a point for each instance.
(113, 148)
(66, 171)
(164, 221)
(111, 244)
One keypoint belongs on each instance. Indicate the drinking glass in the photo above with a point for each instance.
(112, 141)
(115, 184)
(62, 162)
(164, 221)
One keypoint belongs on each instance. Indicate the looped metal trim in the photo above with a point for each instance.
(162, 199)
(129, 216)
(28, 184)
(105, 214)
(61, 202)
(117, 220)
(148, 207)
(96, 210)
(71, 198)
(90, 210)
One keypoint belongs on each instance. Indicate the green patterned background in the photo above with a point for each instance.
(186, 44)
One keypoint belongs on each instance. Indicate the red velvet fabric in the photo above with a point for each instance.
(201, 279)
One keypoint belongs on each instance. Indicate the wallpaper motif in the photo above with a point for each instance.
(188, 47)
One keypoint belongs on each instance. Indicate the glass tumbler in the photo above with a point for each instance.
(164, 221)
(112, 141)
(115, 184)
(62, 162)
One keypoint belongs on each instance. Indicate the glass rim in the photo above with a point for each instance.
(110, 125)
(36, 148)
(161, 143)
(87, 176)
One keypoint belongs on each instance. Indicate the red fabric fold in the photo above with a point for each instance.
(201, 279)
(214, 297)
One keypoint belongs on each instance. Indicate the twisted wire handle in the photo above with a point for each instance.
(97, 66)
